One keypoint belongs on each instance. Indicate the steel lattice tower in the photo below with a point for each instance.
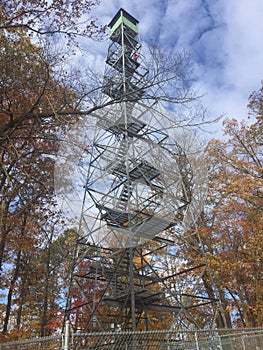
(138, 189)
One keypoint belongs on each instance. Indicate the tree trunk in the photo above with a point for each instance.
(223, 319)
(4, 234)
(45, 304)
(10, 292)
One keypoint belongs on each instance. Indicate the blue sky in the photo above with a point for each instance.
(223, 36)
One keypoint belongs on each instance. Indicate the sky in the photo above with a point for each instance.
(224, 38)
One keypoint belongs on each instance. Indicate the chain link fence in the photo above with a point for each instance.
(230, 339)
(171, 340)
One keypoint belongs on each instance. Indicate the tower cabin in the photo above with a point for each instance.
(124, 75)
(124, 20)
(128, 21)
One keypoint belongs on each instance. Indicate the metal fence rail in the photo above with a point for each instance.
(44, 343)
(230, 339)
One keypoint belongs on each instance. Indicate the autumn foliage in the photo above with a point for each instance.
(31, 95)
(234, 227)
(36, 246)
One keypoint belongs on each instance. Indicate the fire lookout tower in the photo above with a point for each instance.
(141, 191)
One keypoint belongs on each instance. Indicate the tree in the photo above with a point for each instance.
(256, 103)
(27, 149)
(26, 83)
(229, 235)
(61, 17)
(233, 236)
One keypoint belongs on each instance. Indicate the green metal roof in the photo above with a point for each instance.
(123, 16)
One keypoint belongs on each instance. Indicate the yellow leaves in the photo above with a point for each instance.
(235, 216)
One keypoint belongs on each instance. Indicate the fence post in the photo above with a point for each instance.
(196, 341)
(220, 342)
(243, 343)
(67, 335)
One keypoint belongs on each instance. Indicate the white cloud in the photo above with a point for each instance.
(244, 43)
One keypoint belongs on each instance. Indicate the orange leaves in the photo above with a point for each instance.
(27, 147)
(31, 95)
